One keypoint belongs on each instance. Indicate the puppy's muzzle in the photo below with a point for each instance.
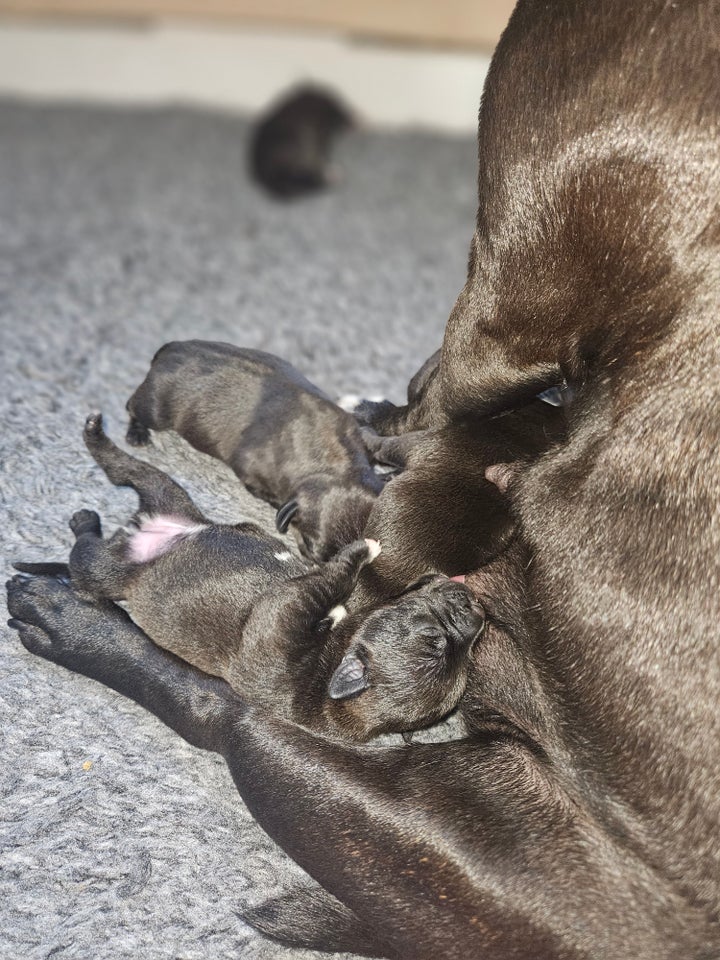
(462, 617)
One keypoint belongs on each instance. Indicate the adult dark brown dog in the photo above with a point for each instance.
(579, 817)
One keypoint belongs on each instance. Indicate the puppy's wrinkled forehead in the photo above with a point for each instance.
(409, 613)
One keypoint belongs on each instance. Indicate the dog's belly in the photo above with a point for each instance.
(156, 535)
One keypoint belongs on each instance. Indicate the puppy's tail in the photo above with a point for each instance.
(44, 569)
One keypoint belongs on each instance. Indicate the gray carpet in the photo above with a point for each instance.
(120, 230)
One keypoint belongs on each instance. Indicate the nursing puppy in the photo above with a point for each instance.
(284, 438)
(448, 511)
(231, 601)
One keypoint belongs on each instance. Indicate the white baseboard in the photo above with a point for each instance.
(237, 68)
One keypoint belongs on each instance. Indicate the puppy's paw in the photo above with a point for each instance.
(34, 605)
(85, 521)
(93, 425)
(357, 554)
(372, 413)
(53, 622)
(137, 434)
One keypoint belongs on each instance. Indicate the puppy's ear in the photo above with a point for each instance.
(351, 677)
(285, 514)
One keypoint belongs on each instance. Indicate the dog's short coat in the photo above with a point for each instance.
(579, 819)
(284, 438)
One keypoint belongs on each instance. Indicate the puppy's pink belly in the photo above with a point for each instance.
(157, 535)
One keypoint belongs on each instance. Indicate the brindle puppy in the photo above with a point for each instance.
(230, 600)
(284, 438)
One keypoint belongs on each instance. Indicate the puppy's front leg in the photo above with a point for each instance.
(310, 598)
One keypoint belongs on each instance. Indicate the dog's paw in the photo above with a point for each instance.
(53, 622)
(368, 413)
(85, 521)
(34, 604)
(137, 434)
(357, 554)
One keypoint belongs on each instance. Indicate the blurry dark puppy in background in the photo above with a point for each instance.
(290, 152)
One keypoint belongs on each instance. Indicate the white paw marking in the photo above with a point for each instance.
(285, 555)
(374, 548)
(337, 614)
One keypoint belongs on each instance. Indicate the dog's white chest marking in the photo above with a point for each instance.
(156, 535)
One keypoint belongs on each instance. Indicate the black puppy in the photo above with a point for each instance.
(290, 149)
(231, 601)
(284, 438)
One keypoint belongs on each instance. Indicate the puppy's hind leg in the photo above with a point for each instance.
(95, 565)
(158, 493)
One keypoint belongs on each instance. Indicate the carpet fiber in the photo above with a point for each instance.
(120, 230)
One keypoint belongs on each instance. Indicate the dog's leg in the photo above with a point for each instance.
(158, 493)
(475, 848)
(309, 598)
(95, 565)
(100, 641)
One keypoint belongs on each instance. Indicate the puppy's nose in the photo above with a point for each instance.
(470, 622)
